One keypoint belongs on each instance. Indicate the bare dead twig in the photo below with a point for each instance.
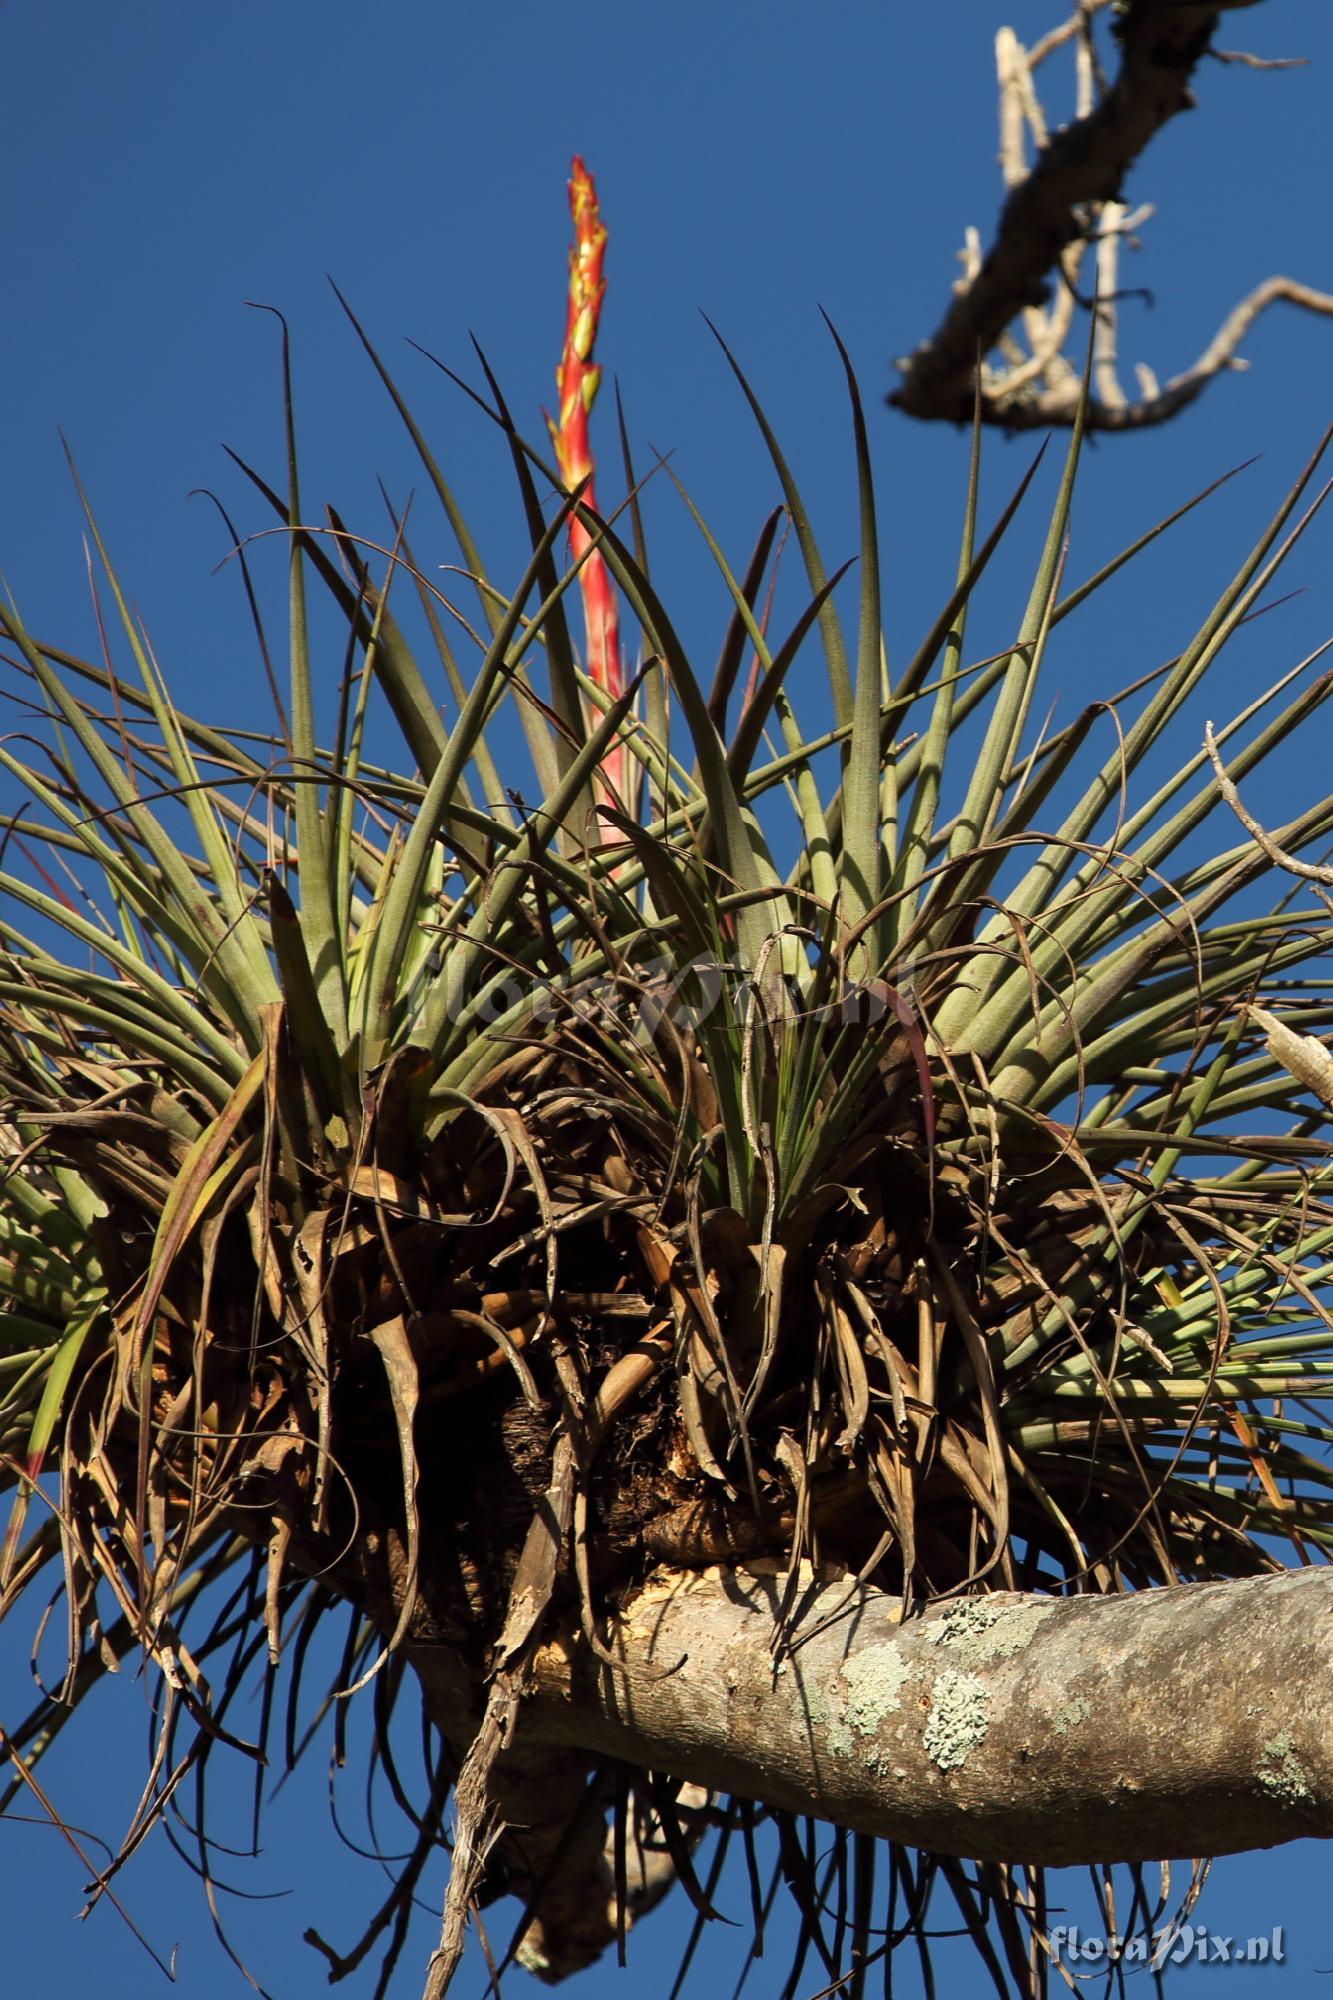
(1248, 61)
(1305, 871)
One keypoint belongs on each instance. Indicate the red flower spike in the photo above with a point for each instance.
(576, 380)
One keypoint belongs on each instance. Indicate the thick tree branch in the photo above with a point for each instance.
(1067, 201)
(1195, 1720)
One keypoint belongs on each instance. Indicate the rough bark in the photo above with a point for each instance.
(1195, 1720)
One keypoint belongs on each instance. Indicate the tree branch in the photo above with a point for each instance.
(1057, 405)
(1184, 1721)
(1306, 871)
(1067, 202)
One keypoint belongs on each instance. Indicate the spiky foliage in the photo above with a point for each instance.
(392, 1169)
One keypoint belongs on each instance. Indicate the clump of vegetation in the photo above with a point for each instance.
(452, 1208)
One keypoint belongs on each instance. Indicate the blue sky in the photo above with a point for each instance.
(163, 161)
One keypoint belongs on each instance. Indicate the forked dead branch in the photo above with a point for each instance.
(1058, 243)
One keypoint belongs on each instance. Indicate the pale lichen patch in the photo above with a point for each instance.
(1282, 1774)
(982, 1629)
(1069, 1717)
(839, 1738)
(958, 1720)
(814, 1709)
(874, 1680)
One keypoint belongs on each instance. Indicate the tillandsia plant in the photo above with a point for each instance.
(460, 1212)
